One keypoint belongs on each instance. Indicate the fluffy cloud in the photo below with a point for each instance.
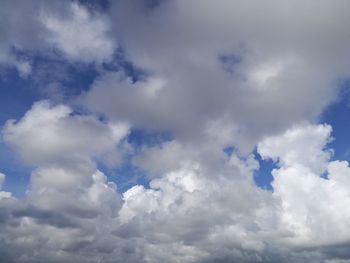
(188, 215)
(226, 63)
(54, 224)
(81, 36)
(42, 26)
(289, 149)
(70, 205)
(215, 76)
(311, 188)
(53, 134)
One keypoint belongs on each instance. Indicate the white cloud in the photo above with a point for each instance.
(43, 26)
(299, 146)
(226, 74)
(53, 134)
(189, 214)
(80, 35)
(310, 204)
(24, 68)
(182, 217)
(69, 205)
(3, 194)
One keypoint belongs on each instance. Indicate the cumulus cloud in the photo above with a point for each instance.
(44, 26)
(289, 149)
(50, 133)
(80, 35)
(261, 59)
(187, 214)
(311, 188)
(68, 199)
(227, 63)
(228, 81)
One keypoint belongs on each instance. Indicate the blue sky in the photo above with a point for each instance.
(174, 131)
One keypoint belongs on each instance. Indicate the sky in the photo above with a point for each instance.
(153, 131)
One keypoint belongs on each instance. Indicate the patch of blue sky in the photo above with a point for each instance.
(338, 116)
(17, 173)
(127, 174)
(95, 4)
(140, 137)
(17, 95)
(229, 150)
(262, 177)
(230, 62)
(121, 63)
(72, 77)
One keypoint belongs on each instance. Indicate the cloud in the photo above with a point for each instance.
(102, 224)
(2, 193)
(19, 30)
(68, 198)
(248, 76)
(226, 63)
(50, 133)
(289, 149)
(311, 188)
(41, 27)
(45, 227)
(187, 213)
(80, 35)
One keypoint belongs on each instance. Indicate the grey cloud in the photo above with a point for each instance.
(282, 60)
(286, 58)
(45, 217)
(44, 26)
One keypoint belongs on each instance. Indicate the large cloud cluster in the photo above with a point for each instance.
(44, 26)
(247, 67)
(228, 80)
(72, 213)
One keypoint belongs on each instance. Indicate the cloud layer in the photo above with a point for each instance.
(231, 82)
